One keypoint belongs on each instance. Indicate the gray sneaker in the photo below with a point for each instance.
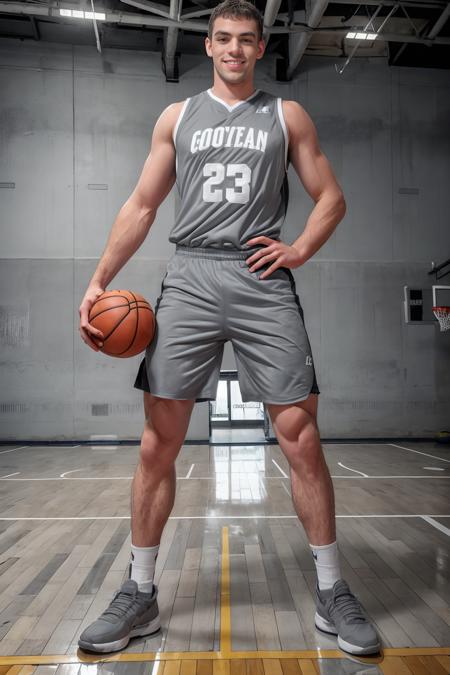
(130, 614)
(340, 613)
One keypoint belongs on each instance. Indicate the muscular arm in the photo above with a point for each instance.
(316, 174)
(136, 215)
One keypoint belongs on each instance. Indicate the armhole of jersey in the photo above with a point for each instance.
(180, 116)
(285, 131)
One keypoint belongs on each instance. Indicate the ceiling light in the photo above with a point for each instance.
(77, 14)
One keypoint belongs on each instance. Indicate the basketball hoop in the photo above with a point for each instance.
(442, 314)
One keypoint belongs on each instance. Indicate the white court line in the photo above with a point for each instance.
(348, 468)
(402, 447)
(229, 517)
(3, 452)
(280, 469)
(392, 477)
(63, 475)
(188, 475)
(11, 474)
(290, 495)
(437, 525)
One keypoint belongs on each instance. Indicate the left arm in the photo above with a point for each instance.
(317, 177)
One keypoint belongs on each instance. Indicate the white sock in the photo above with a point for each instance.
(327, 564)
(143, 563)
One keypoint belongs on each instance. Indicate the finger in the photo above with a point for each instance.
(90, 343)
(92, 334)
(260, 240)
(256, 256)
(263, 261)
(270, 269)
(90, 330)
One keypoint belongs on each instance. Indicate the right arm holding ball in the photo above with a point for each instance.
(135, 217)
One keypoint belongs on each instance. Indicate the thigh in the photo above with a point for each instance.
(183, 361)
(168, 418)
(270, 342)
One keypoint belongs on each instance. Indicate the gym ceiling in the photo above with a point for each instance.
(413, 33)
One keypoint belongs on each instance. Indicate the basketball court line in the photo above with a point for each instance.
(188, 475)
(437, 525)
(11, 474)
(348, 469)
(127, 657)
(3, 452)
(338, 476)
(230, 517)
(418, 452)
(280, 469)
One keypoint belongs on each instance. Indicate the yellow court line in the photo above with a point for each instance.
(81, 658)
(225, 610)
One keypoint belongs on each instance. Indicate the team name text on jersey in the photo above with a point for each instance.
(229, 137)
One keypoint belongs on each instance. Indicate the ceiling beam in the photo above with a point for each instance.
(148, 6)
(26, 9)
(440, 22)
(170, 61)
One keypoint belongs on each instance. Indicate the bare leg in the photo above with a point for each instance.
(312, 490)
(153, 491)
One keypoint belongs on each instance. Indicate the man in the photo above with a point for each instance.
(228, 149)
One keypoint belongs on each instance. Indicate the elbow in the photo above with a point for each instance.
(341, 206)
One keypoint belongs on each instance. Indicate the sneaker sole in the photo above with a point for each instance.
(328, 627)
(117, 645)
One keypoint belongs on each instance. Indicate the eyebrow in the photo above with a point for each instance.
(224, 33)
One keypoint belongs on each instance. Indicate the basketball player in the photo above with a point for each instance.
(228, 149)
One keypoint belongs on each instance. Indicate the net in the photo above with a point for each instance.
(442, 314)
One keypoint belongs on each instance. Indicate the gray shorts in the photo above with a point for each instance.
(209, 296)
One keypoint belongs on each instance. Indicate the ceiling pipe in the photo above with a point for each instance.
(270, 14)
(298, 45)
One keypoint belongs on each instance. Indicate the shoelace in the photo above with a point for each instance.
(346, 603)
(119, 606)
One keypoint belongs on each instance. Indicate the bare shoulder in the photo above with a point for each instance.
(166, 122)
(298, 122)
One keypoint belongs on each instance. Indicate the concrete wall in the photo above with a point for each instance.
(75, 131)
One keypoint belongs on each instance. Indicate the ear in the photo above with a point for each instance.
(208, 46)
(261, 49)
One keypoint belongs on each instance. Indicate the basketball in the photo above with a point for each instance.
(126, 320)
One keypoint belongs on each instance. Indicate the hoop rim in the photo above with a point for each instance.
(442, 308)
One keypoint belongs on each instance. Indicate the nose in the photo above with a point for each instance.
(235, 46)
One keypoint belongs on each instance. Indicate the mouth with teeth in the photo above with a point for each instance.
(233, 63)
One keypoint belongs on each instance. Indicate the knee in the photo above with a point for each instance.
(158, 452)
(307, 452)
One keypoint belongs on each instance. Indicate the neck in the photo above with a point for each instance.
(231, 93)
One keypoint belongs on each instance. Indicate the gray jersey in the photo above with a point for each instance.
(231, 170)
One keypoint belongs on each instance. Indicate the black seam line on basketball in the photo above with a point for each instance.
(130, 305)
(91, 318)
(116, 326)
(115, 306)
(136, 327)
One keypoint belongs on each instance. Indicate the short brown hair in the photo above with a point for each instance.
(236, 9)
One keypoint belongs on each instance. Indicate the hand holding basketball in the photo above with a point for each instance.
(88, 332)
(121, 323)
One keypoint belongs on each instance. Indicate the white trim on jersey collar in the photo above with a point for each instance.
(236, 105)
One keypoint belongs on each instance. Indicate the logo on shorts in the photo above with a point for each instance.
(309, 361)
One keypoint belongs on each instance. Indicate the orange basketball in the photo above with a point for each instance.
(126, 320)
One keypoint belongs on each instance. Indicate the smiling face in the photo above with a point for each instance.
(234, 48)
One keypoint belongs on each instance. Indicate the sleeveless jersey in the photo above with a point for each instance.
(231, 170)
